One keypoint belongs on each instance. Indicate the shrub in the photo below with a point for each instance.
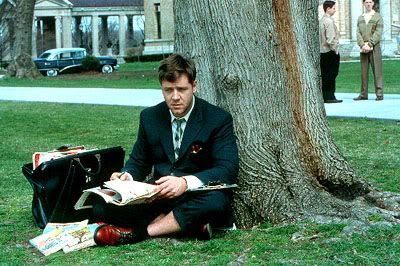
(90, 62)
(146, 58)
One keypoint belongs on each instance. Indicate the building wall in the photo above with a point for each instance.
(154, 44)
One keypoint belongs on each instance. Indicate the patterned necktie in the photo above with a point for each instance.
(178, 136)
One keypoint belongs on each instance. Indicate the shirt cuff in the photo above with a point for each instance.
(193, 182)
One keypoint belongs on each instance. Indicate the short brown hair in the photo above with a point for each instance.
(174, 66)
(329, 4)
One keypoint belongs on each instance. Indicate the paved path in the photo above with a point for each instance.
(136, 97)
(389, 108)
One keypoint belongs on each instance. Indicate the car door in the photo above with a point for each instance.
(65, 61)
(78, 58)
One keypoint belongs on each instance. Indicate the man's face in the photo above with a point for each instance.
(368, 4)
(331, 10)
(179, 95)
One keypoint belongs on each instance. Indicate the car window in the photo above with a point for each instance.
(66, 55)
(44, 55)
(78, 54)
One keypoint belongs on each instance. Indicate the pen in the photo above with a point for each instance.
(119, 177)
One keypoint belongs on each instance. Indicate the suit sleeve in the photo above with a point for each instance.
(224, 155)
(376, 32)
(139, 161)
(360, 38)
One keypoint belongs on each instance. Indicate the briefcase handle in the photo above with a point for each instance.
(88, 171)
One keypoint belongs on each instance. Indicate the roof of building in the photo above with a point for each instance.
(106, 3)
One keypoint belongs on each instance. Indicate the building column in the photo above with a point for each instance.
(356, 9)
(122, 38)
(95, 35)
(40, 35)
(34, 37)
(386, 13)
(58, 32)
(67, 31)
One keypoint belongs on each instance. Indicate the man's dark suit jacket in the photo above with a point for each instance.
(208, 149)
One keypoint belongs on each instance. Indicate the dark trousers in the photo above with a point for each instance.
(329, 63)
(191, 211)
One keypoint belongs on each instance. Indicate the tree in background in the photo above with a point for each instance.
(20, 32)
(260, 60)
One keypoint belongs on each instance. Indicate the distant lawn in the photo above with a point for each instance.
(370, 145)
(349, 78)
(132, 76)
(144, 76)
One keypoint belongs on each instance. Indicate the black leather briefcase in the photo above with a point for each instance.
(57, 184)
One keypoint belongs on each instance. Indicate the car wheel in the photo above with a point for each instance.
(107, 69)
(51, 73)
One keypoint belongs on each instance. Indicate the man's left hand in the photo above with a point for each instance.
(171, 187)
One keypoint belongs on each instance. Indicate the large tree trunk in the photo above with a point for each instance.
(22, 65)
(259, 59)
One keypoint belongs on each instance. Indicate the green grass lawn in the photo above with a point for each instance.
(370, 145)
(349, 78)
(144, 75)
(132, 76)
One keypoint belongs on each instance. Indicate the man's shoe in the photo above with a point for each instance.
(360, 98)
(205, 232)
(111, 235)
(333, 101)
(379, 98)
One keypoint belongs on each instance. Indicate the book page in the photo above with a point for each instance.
(130, 190)
(86, 201)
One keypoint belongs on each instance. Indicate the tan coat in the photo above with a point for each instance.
(371, 32)
(328, 35)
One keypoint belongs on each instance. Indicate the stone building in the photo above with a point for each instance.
(69, 23)
(159, 26)
(56, 22)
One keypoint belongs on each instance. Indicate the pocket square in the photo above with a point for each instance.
(196, 148)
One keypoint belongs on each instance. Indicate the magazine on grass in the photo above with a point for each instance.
(65, 236)
(118, 192)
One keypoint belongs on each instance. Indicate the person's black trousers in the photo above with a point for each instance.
(191, 211)
(329, 63)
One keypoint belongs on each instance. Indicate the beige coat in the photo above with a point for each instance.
(371, 32)
(328, 35)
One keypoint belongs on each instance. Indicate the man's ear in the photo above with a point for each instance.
(194, 86)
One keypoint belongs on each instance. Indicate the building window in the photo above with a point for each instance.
(158, 19)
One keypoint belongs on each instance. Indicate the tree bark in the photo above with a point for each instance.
(22, 65)
(260, 61)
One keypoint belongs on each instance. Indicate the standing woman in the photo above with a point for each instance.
(369, 33)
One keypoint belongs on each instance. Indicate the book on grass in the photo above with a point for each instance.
(118, 192)
(66, 236)
(82, 238)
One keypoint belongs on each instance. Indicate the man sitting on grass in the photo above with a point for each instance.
(185, 142)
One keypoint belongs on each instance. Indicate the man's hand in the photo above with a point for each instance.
(124, 176)
(171, 187)
(366, 48)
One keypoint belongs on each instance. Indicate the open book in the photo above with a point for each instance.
(66, 236)
(118, 192)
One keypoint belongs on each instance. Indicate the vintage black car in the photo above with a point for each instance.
(61, 60)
